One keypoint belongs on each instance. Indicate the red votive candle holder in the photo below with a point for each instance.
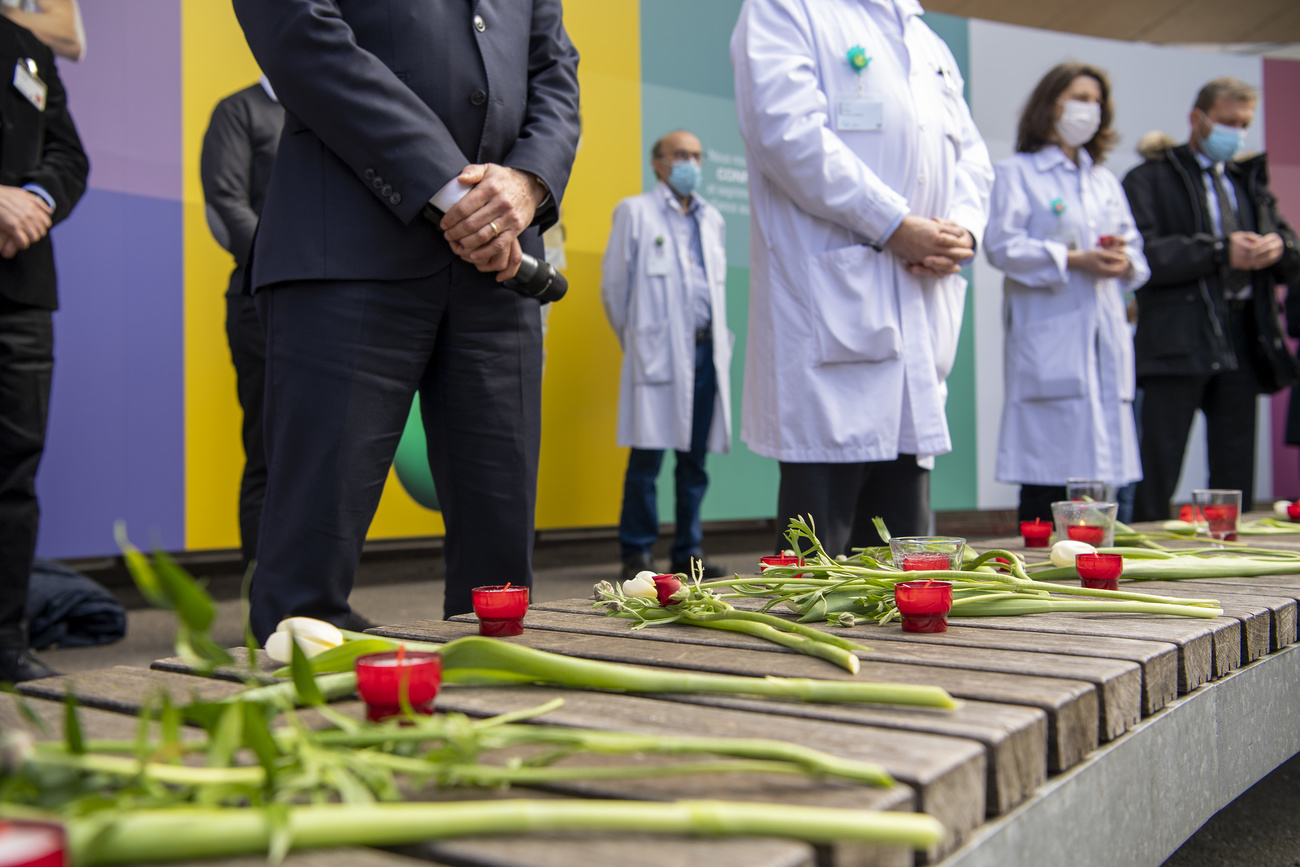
(780, 560)
(381, 678)
(500, 609)
(1293, 512)
(926, 562)
(924, 605)
(1036, 533)
(1222, 521)
(1089, 533)
(31, 844)
(1099, 571)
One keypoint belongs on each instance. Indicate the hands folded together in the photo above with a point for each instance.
(24, 220)
(931, 248)
(483, 227)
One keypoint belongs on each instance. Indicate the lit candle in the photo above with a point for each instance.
(500, 609)
(1036, 532)
(1099, 571)
(924, 605)
(383, 677)
(1089, 533)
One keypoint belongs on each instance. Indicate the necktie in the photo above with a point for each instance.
(1237, 280)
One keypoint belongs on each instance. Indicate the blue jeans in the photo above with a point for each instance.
(638, 527)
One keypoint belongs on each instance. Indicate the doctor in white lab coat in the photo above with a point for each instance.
(663, 285)
(869, 186)
(1061, 231)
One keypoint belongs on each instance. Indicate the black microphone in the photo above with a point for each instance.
(534, 279)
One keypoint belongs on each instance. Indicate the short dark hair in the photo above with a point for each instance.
(1232, 88)
(1039, 116)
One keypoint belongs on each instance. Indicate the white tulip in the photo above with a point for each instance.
(641, 587)
(1064, 551)
(313, 636)
(1279, 508)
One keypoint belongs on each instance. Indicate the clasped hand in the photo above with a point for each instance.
(483, 227)
(24, 220)
(1109, 260)
(931, 248)
(1248, 251)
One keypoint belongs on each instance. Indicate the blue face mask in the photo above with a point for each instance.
(685, 177)
(1223, 142)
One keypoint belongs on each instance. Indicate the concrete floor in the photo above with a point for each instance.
(1259, 829)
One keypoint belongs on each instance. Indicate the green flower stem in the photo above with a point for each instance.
(116, 766)
(781, 624)
(821, 649)
(1012, 604)
(183, 834)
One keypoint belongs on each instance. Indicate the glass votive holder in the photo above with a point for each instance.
(31, 844)
(1089, 489)
(500, 609)
(923, 606)
(382, 677)
(1036, 532)
(1293, 512)
(778, 560)
(1099, 571)
(926, 553)
(1219, 510)
(1085, 521)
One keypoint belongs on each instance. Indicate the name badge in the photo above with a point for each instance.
(860, 114)
(29, 83)
(657, 263)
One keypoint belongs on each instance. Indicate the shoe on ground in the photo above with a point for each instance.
(711, 568)
(358, 623)
(19, 666)
(635, 564)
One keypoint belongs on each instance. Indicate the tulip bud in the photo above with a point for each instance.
(669, 590)
(1279, 509)
(1064, 551)
(641, 587)
(313, 636)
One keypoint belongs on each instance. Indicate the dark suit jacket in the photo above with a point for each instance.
(235, 168)
(387, 102)
(36, 147)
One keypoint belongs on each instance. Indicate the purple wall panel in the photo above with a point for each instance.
(1282, 133)
(126, 96)
(116, 444)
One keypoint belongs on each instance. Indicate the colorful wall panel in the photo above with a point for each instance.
(144, 424)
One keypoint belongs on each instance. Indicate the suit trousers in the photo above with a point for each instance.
(26, 368)
(248, 353)
(638, 525)
(1228, 400)
(343, 362)
(842, 499)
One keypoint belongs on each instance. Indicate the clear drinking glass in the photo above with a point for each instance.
(1089, 489)
(1086, 521)
(926, 553)
(1218, 510)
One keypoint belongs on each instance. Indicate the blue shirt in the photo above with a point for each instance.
(686, 232)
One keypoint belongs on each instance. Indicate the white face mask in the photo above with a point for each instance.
(1078, 123)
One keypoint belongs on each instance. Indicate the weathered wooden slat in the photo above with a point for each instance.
(636, 850)
(1286, 619)
(98, 724)
(1118, 683)
(1260, 615)
(1195, 639)
(124, 689)
(353, 856)
(1071, 705)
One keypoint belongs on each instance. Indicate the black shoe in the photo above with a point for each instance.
(358, 623)
(17, 666)
(635, 564)
(711, 569)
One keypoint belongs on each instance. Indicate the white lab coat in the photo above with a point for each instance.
(847, 352)
(648, 303)
(1068, 352)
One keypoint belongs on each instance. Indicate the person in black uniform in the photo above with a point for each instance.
(235, 167)
(375, 278)
(43, 172)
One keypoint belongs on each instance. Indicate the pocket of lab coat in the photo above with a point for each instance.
(946, 304)
(652, 362)
(1048, 358)
(853, 310)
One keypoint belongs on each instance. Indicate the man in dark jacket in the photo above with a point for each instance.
(42, 175)
(1208, 335)
(235, 167)
(393, 110)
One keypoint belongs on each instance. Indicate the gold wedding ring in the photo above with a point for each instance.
(495, 230)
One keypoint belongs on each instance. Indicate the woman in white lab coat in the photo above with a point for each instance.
(1061, 230)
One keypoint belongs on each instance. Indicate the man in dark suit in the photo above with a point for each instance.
(42, 175)
(235, 167)
(387, 107)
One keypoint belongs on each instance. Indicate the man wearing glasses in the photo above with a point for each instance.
(664, 289)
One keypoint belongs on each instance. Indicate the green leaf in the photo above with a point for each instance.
(257, 737)
(277, 816)
(72, 725)
(343, 657)
(227, 738)
(304, 679)
(192, 603)
(142, 572)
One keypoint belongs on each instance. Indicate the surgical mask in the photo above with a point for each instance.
(1223, 142)
(685, 177)
(1078, 123)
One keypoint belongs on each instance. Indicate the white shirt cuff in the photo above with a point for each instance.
(451, 193)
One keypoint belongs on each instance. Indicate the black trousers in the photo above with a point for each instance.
(1169, 404)
(248, 353)
(842, 499)
(343, 361)
(26, 367)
